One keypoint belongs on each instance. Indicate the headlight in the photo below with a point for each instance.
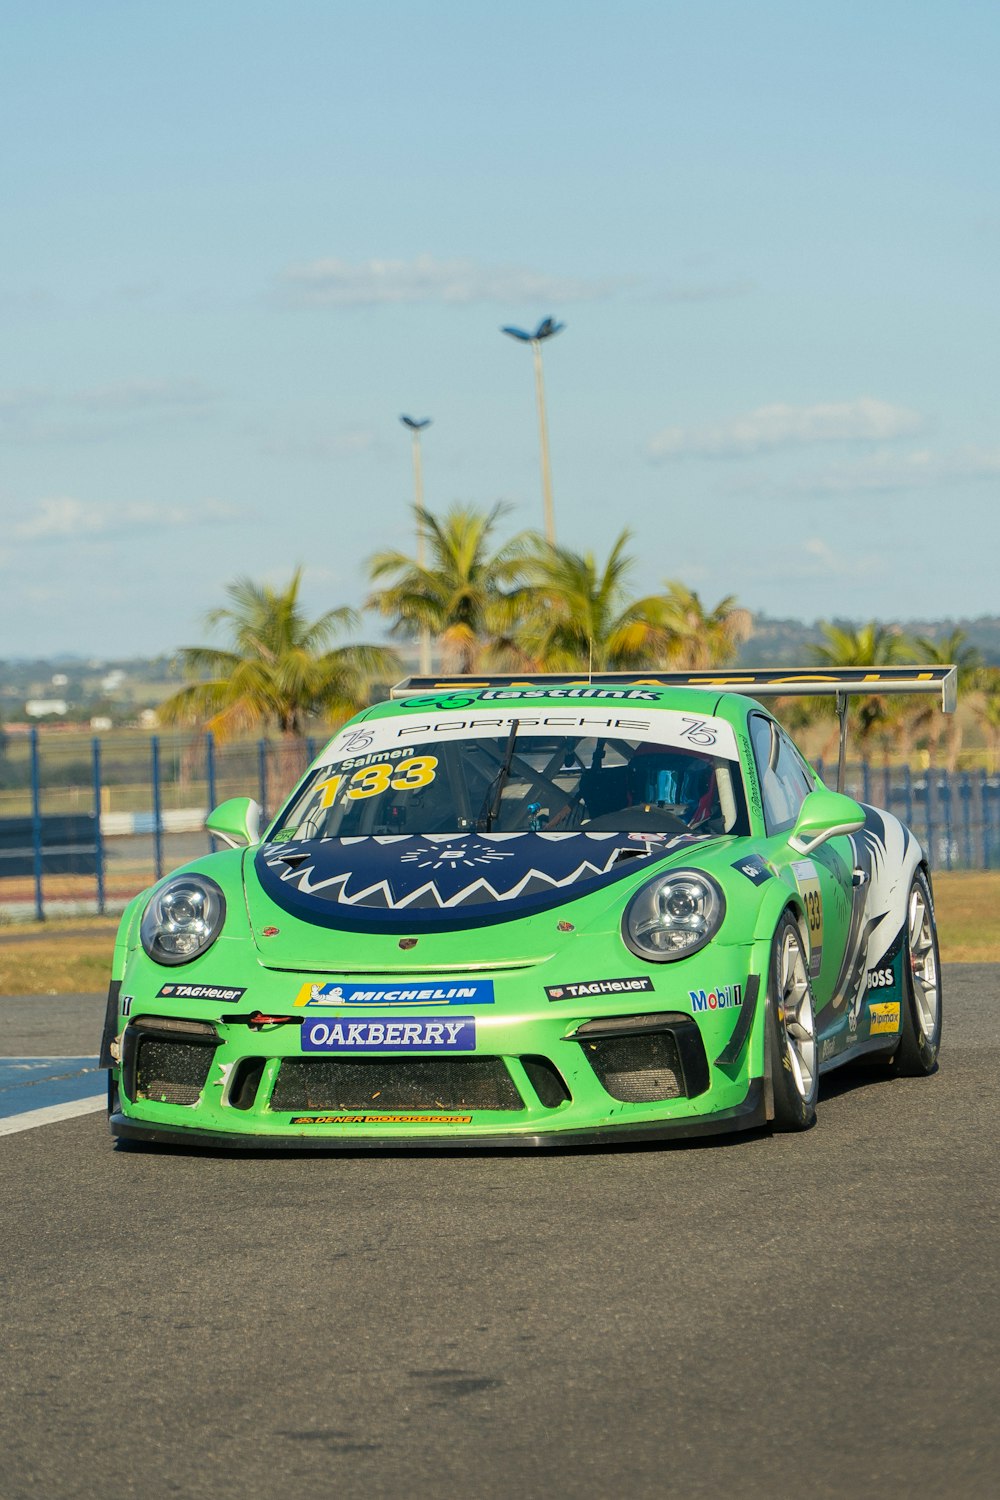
(183, 919)
(673, 916)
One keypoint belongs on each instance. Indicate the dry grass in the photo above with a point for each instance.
(64, 957)
(968, 916)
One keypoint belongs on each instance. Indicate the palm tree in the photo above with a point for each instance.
(575, 614)
(988, 711)
(688, 635)
(279, 669)
(948, 650)
(463, 594)
(870, 645)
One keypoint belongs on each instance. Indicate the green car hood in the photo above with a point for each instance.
(407, 903)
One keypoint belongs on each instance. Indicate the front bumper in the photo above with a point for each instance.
(749, 1115)
(524, 1073)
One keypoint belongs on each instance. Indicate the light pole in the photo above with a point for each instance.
(416, 428)
(546, 329)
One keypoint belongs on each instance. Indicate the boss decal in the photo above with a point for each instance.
(598, 987)
(881, 979)
(199, 992)
(392, 1033)
(723, 997)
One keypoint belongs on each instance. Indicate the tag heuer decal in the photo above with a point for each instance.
(587, 987)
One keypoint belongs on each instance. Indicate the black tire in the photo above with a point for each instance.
(920, 1012)
(791, 1051)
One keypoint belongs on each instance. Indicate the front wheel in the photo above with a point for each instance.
(920, 1019)
(792, 1056)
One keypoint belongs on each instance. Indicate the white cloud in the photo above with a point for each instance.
(141, 395)
(820, 560)
(348, 443)
(886, 470)
(46, 414)
(62, 517)
(341, 283)
(780, 425)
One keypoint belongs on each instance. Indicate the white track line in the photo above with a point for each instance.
(53, 1112)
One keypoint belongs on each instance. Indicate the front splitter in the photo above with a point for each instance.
(749, 1115)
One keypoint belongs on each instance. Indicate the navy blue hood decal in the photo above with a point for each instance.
(402, 883)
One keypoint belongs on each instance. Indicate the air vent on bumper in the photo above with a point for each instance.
(645, 1059)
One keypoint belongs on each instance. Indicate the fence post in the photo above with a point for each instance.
(908, 790)
(154, 746)
(210, 781)
(965, 792)
(98, 835)
(948, 821)
(985, 801)
(866, 795)
(36, 826)
(262, 777)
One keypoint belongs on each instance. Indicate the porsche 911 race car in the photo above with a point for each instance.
(526, 913)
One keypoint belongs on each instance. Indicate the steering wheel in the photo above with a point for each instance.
(644, 818)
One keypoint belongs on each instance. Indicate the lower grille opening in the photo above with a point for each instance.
(638, 1069)
(171, 1072)
(391, 1083)
(245, 1082)
(546, 1080)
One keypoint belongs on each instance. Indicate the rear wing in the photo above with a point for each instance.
(757, 682)
(842, 683)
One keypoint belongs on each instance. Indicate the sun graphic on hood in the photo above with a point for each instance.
(453, 854)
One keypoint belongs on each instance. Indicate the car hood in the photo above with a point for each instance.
(381, 889)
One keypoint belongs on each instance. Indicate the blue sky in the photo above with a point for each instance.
(241, 238)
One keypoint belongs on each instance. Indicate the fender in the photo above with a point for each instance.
(777, 898)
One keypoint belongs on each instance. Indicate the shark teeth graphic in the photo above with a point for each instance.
(380, 893)
(441, 872)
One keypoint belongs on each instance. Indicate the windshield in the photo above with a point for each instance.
(518, 778)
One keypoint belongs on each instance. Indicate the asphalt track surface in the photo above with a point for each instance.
(773, 1315)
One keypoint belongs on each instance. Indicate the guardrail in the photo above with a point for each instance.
(65, 846)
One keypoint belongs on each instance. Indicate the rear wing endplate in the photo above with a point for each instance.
(842, 683)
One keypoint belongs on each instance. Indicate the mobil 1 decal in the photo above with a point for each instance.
(808, 885)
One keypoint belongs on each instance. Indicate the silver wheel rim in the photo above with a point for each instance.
(795, 1013)
(923, 965)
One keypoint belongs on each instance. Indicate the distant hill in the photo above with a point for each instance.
(121, 687)
(785, 643)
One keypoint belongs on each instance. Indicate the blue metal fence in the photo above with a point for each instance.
(89, 826)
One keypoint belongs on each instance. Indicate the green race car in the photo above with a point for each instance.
(530, 913)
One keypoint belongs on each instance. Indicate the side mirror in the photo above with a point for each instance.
(237, 821)
(822, 816)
